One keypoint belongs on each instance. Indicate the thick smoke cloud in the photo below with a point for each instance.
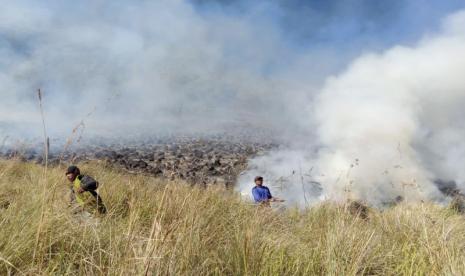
(184, 66)
(389, 126)
(151, 67)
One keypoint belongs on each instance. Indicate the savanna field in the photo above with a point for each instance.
(158, 227)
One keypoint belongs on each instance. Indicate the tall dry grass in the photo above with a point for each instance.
(155, 227)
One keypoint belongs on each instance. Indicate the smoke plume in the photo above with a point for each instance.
(388, 127)
(146, 67)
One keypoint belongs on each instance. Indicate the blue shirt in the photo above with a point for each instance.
(261, 193)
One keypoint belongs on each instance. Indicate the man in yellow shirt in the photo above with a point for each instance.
(84, 196)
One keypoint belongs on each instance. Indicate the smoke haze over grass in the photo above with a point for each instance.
(390, 125)
(367, 95)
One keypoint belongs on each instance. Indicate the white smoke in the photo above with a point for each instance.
(389, 126)
(145, 66)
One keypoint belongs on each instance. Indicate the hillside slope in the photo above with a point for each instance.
(156, 227)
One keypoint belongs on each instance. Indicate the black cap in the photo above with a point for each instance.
(258, 178)
(72, 169)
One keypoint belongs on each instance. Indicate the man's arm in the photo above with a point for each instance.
(269, 196)
(272, 198)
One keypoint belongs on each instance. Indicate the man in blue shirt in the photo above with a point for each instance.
(261, 194)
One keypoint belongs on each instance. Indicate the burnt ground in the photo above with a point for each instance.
(208, 160)
(204, 161)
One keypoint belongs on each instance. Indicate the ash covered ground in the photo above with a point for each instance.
(197, 159)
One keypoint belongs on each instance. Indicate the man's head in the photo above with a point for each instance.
(259, 181)
(72, 172)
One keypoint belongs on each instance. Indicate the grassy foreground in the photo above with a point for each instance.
(160, 228)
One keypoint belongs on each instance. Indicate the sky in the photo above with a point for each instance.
(346, 24)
